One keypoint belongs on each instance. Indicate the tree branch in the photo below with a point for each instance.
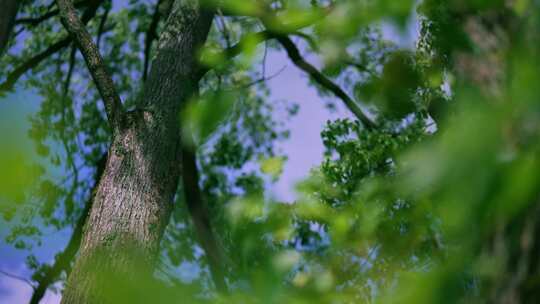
(33, 62)
(101, 28)
(275, 29)
(280, 31)
(63, 260)
(200, 216)
(16, 277)
(321, 79)
(8, 13)
(298, 60)
(151, 36)
(94, 62)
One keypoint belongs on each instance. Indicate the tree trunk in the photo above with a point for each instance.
(134, 198)
(8, 12)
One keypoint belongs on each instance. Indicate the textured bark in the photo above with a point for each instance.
(8, 12)
(134, 198)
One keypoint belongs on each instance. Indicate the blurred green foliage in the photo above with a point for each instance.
(437, 204)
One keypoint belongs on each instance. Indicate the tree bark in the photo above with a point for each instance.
(134, 198)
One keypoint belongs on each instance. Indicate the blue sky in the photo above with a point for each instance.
(304, 150)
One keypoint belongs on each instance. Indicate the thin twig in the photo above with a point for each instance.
(264, 59)
(19, 278)
(101, 28)
(32, 63)
(223, 29)
(264, 78)
(69, 152)
(151, 36)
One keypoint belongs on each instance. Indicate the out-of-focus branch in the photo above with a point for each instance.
(31, 63)
(201, 220)
(8, 12)
(63, 260)
(151, 36)
(101, 28)
(94, 62)
(69, 153)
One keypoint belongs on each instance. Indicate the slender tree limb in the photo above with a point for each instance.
(322, 80)
(37, 20)
(151, 36)
(63, 260)
(94, 62)
(69, 153)
(280, 31)
(263, 78)
(101, 28)
(222, 26)
(32, 63)
(200, 216)
(298, 60)
(71, 68)
(8, 12)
